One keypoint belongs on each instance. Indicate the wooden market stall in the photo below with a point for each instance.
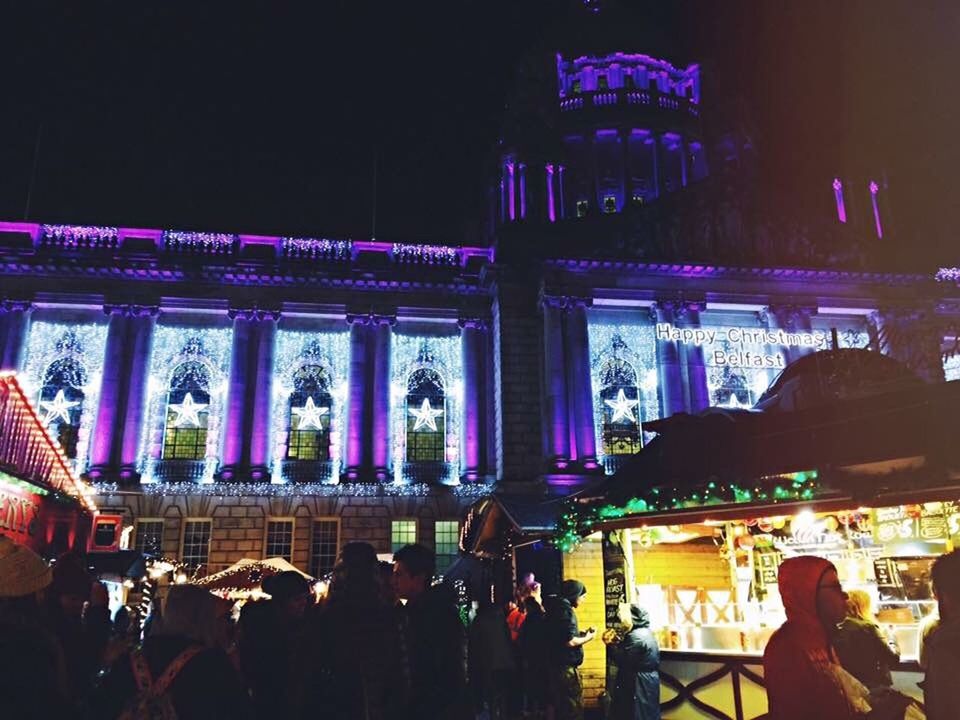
(43, 504)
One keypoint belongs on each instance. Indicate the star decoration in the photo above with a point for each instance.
(733, 402)
(622, 408)
(425, 416)
(58, 408)
(188, 412)
(309, 415)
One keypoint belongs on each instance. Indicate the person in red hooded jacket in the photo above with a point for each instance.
(803, 677)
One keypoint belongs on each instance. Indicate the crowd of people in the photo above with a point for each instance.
(831, 660)
(387, 643)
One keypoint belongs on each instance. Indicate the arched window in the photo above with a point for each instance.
(309, 406)
(620, 399)
(188, 411)
(730, 388)
(61, 402)
(426, 416)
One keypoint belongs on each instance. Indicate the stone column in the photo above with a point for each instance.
(266, 334)
(380, 392)
(683, 162)
(698, 394)
(140, 335)
(104, 448)
(238, 395)
(472, 348)
(580, 385)
(357, 412)
(625, 179)
(668, 358)
(562, 197)
(14, 324)
(555, 386)
(551, 198)
(655, 153)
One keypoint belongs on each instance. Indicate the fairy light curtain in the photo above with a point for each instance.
(186, 399)
(62, 372)
(623, 370)
(309, 396)
(426, 391)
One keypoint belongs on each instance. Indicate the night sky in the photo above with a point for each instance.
(266, 117)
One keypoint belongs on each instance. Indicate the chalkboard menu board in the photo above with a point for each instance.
(614, 578)
(767, 564)
(906, 523)
(889, 584)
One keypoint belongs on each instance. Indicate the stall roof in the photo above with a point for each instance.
(29, 453)
(863, 445)
(491, 517)
(120, 564)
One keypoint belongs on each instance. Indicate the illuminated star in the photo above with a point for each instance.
(188, 412)
(622, 407)
(309, 415)
(58, 408)
(425, 416)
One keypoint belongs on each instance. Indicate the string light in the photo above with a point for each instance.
(293, 490)
(579, 520)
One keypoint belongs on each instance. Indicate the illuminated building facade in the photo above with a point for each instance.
(241, 396)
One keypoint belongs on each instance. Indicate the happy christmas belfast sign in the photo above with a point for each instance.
(742, 346)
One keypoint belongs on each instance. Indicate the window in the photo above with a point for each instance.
(402, 532)
(582, 206)
(628, 81)
(602, 83)
(609, 204)
(620, 398)
(308, 436)
(196, 543)
(280, 539)
(149, 539)
(446, 543)
(426, 422)
(188, 401)
(324, 547)
(577, 86)
(61, 402)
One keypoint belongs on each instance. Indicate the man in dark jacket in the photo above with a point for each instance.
(434, 638)
(566, 651)
(636, 695)
(941, 687)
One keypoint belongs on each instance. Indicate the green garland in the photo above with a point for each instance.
(577, 521)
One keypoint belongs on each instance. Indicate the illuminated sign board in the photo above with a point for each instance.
(738, 346)
(19, 508)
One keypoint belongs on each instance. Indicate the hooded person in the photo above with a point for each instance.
(636, 694)
(941, 690)
(803, 676)
(33, 676)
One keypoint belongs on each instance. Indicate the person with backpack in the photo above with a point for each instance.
(181, 671)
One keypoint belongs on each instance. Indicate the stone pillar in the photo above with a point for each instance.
(380, 391)
(238, 394)
(104, 448)
(14, 325)
(358, 394)
(625, 180)
(266, 335)
(683, 162)
(698, 394)
(140, 335)
(655, 154)
(668, 358)
(562, 196)
(580, 385)
(472, 348)
(555, 386)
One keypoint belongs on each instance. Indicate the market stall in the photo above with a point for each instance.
(696, 525)
(43, 504)
(244, 579)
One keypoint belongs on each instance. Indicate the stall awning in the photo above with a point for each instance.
(491, 518)
(118, 565)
